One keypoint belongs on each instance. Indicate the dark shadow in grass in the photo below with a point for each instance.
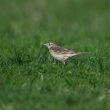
(19, 57)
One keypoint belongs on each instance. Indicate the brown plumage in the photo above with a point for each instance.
(60, 53)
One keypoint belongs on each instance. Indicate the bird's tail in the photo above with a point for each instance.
(81, 53)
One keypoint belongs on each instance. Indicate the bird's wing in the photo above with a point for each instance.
(68, 51)
(60, 50)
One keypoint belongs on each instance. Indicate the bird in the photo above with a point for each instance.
(59, 53)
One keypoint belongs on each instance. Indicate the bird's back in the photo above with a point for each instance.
(61, 53)
(60, 50)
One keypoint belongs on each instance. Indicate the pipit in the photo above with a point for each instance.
(61, 54)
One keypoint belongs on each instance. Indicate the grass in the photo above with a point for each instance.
(30, 79)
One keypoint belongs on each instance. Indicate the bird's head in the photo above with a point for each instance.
(49, 45)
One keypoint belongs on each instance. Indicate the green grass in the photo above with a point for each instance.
(30, 78)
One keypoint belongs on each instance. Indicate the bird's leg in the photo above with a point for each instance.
(64, 62)
(54, 60)
(63, 67)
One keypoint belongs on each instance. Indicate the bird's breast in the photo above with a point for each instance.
(58, 56)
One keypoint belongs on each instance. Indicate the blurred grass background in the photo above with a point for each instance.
(29, 79)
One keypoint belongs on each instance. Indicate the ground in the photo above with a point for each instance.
(29, 76)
